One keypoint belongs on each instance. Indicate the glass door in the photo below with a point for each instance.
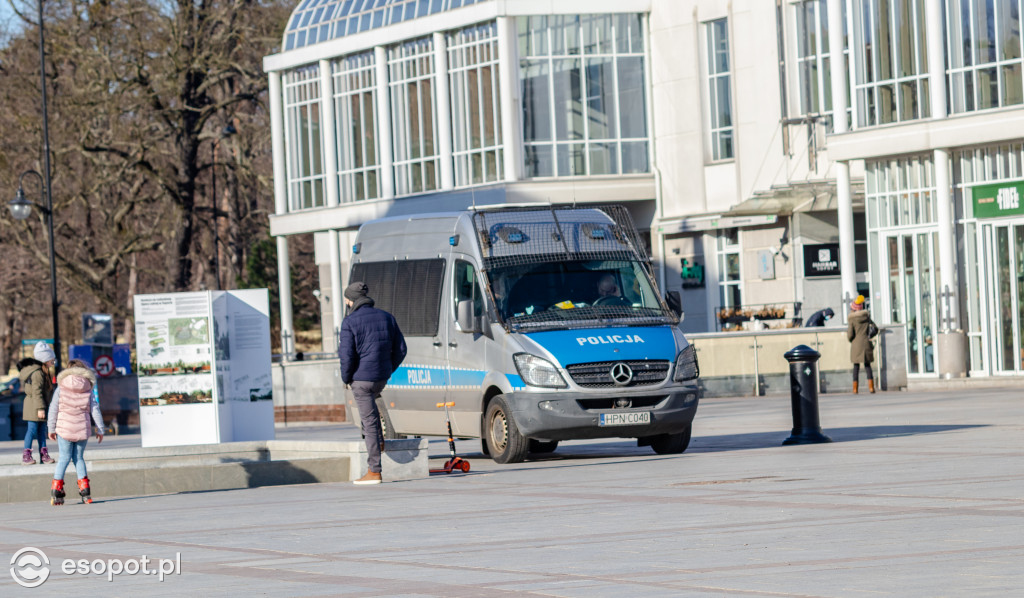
(912, 282)
(1005, 259)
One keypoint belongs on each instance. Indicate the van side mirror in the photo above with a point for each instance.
(466, 319)
(675, 302)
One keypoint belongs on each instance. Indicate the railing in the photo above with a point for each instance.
(744, 363)
(302, 356)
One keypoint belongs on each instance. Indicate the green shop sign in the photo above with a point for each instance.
(994, 201)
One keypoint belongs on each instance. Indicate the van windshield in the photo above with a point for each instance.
(575, 293)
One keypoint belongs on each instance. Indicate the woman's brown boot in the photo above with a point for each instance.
(871, 385)
(855, 384)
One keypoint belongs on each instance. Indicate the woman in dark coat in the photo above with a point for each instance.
(861, 348)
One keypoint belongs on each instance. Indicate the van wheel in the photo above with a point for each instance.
(504, 442)
(543, 446)
(385, 423)
(671, 444)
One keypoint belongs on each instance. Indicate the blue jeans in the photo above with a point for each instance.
(68, 450)
(35, 430)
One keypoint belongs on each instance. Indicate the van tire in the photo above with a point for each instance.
(386, 428)
(671, 444)
(504, 442)
(543, 446)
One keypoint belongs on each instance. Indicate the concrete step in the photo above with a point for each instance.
(194, 468)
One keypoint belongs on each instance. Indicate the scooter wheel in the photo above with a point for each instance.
(464, 466)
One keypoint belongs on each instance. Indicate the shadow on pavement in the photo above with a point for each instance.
(733, 442)
(568, 453)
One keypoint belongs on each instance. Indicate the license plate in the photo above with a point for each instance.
(625, 419)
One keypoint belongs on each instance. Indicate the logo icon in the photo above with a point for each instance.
(30, 567)
(621, 374)
(824, 255)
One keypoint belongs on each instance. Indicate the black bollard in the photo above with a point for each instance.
(803, 391)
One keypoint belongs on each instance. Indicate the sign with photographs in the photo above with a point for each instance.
(821, 260)
(194, 350)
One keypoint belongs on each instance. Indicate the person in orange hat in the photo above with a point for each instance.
(859, 331)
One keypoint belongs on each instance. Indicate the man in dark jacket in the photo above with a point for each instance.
(371, 348)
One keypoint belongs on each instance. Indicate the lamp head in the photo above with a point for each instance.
(19, 206)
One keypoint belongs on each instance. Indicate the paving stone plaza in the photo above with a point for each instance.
(921, 494)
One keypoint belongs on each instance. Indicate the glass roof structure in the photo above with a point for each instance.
(315, 21)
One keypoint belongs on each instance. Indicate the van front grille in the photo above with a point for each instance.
(604, 404)
(599, 374)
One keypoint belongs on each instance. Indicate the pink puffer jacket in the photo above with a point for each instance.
(73, 422)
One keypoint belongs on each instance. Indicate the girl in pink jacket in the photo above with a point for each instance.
(69, 415)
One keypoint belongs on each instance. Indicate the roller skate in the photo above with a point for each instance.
(44, 457)
(83, 489)
(57, 492)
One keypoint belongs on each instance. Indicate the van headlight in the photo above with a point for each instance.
(686, 365)
(537, 371)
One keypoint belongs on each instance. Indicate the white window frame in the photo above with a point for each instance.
(355, 77)
(412, 62)
(475, 50)
(556, 25)
(957, 75)
(819, 56)
(301, 89)
(869, 114)
(716, 131)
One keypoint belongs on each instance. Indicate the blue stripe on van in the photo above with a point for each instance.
(516, 381)
(419, 376)
(436, 377)
(588, 345)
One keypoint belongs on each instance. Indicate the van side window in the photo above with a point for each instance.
(410, 290)
(466, 288)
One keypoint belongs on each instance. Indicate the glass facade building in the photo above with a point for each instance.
(693, 118)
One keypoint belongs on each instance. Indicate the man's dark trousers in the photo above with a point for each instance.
(366, 394)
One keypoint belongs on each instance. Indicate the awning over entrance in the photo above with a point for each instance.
(765, 207)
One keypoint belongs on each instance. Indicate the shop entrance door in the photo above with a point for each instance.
(1003, 245)
(911, 285)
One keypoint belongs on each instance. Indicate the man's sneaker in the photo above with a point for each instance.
(371, 477)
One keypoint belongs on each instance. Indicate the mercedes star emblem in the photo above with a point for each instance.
(621, 374)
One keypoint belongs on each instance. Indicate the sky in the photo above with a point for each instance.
(7, 20)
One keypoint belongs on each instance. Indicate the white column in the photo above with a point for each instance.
(279, 152)
(329, 128)
(387, 169)
(510, 99)
(940, 158)
(334, 245)
(443, 105)
(936, 59)
(947, 242)
(847, 256)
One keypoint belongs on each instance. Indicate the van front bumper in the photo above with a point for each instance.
(576, 415)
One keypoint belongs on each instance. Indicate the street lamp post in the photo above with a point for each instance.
(21, 208)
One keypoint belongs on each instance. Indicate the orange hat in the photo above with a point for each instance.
(859, 300)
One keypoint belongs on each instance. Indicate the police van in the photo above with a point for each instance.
(540, 323)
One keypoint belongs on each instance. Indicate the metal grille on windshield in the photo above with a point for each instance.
(599, 374)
